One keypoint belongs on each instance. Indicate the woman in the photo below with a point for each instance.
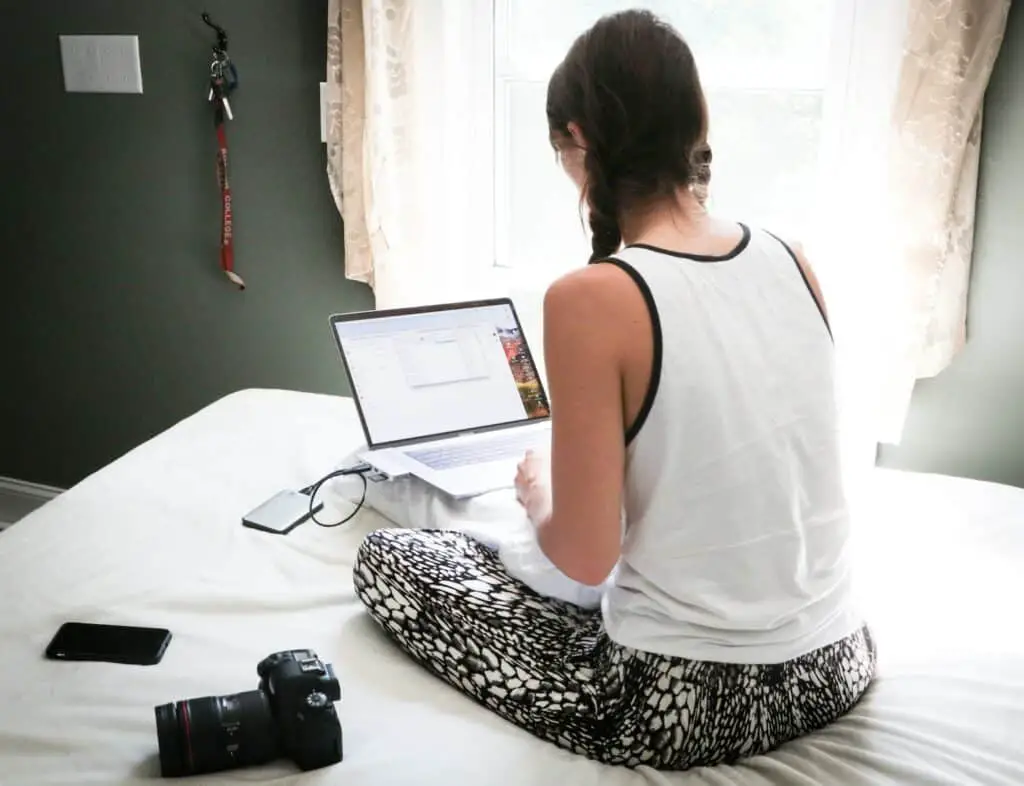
(690, 369)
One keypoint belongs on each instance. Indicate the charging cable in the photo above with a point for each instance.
(362, 470)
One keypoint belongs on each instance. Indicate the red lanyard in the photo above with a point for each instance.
(227, 245)
(223, 80)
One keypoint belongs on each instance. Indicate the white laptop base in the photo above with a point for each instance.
(463, 466)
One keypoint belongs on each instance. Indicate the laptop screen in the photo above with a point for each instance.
(435, 372)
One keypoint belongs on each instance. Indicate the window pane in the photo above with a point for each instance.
(538, 201)
(755, 43)
(765, 148)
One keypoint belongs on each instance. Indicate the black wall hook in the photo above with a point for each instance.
(222, 36)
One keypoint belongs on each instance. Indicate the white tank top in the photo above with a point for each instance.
(737, 528)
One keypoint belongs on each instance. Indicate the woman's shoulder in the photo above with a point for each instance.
(598, 297)
(595, 286)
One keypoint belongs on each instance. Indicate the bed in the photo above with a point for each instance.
(154, 539)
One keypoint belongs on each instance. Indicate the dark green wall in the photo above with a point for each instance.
(969, 420)
(116, 320)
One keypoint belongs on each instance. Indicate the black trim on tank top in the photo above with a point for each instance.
(655, 379)
(740, 247)
(807, 282)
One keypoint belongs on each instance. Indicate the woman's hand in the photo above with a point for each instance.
(533, 487)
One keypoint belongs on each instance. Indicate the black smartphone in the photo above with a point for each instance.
(109, 643)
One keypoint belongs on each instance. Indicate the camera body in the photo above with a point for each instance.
(290, 715)
(301, 690)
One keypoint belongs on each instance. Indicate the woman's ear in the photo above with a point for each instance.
(577, 135)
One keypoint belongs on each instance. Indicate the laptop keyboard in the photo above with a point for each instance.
(477, 451)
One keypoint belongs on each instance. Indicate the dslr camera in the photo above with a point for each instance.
(291, 715)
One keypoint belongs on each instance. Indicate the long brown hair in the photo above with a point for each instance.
(630, 83)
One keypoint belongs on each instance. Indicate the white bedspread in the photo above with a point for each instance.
(155, 539)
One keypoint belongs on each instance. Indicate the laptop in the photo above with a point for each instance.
(447, 393)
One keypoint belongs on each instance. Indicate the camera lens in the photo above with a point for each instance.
(215, 733)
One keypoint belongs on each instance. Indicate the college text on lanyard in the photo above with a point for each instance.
(223, 81)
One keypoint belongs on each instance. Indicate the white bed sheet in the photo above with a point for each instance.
(155, 539)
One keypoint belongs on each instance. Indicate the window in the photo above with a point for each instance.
(763, 64)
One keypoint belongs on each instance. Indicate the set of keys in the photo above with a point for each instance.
(222, 81)
(223, 77)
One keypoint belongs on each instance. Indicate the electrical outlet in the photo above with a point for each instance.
(101, 63)
(323, 111)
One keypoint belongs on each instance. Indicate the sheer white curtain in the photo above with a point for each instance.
(898, 181)
(409, 141)
(949, 51)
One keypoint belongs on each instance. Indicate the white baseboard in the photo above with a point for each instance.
(18, 498)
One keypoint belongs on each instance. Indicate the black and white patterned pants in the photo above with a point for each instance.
(550, 668)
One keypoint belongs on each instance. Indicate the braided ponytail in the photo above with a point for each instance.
(606, 237)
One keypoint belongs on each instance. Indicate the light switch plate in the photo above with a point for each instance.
(101, 63)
